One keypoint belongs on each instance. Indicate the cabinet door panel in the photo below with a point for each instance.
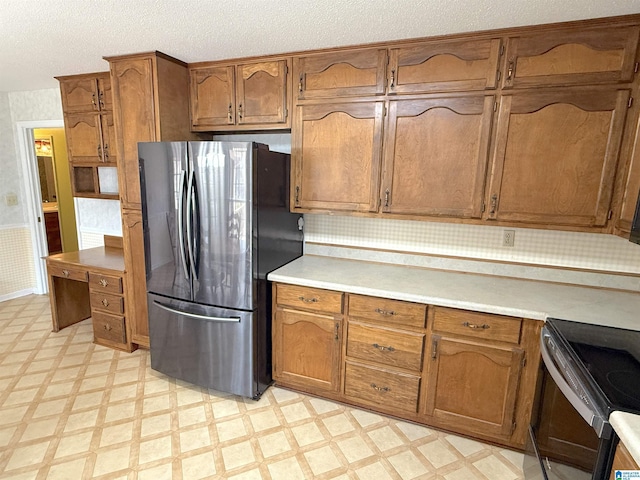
(632, 188)
(212, 96)
(336, 153)
(436, 156)
(79, 95)
(83, 137)
(109, 147)
(473, 386)
(105, 95)
(598, 55)
(431, 67)
(556, 155)
(340, 74)
(133, 97)
(261, 92)
(136, 280)
(307, 349)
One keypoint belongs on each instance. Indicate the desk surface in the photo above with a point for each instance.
(108, 258)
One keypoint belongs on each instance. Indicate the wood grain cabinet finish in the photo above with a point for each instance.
(460, 65)
(359, 72)
(623, 460)
(86, 93)
(631, 190)
(238, 97)
(388, 312)
(430, 143)
(572, 57)
(556, 155)
(336, 151)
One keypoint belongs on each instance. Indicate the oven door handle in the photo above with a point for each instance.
(581, 402)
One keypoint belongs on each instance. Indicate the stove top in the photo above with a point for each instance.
(611, 359)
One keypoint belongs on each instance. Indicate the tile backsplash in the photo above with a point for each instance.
(547, 248)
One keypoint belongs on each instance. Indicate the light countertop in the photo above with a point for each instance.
(484, 293)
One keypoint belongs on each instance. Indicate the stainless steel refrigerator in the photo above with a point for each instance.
(216, 221)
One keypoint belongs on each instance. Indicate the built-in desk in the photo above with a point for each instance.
(90, 283)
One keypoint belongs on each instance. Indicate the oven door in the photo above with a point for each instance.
(570, 437)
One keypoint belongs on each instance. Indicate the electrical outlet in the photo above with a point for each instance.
(508, 238)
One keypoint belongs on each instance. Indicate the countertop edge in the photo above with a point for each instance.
(627, 426)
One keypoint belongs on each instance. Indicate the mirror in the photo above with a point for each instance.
(46, 170)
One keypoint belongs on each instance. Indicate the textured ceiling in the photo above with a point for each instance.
(40, 39)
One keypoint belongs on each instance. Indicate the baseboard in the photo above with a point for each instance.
(19, 293)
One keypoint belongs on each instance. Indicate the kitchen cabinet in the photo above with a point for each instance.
(307, 338)
(441, 66)
(622, 461)
(631, 192)
(336, 152)
(237, 97)
(584, 56)
(90, 134)
(430, 143)
(555, 156)
(347, 73)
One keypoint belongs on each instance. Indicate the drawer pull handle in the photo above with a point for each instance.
(484, 326)
(383, 348)
(380, 389)
(104, 282)
(386, 313)
(308, 300)
(105, 302)
(65, 273)
(107, 327)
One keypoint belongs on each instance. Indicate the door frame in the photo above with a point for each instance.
(31, 183)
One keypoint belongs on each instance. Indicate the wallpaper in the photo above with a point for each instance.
(16, 262)
(10, 181)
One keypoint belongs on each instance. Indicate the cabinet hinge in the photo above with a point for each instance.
(286, 113)
(635, 68)
(630, 102)
(524, 362)
(502, 49)
(610, 214)
(286, 70)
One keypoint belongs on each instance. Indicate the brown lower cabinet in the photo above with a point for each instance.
(622, 461)
(467, 372)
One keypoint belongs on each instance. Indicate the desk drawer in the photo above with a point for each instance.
(105, 283)
(66, 271)
(392, 312)
(309, 298)
(391, 347)
(477, 325)
(109, 327)
(108, 302)
(382, 387)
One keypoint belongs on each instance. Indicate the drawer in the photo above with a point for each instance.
(477, 325)
(106, 301)
(382, 387)
(105, 283)
(392, 312)
(109, 327)
(309, 298)
(66, 271)
(391, 347)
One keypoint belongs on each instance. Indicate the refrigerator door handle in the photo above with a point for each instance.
(183, 257)
(195, 315)
(190, 211)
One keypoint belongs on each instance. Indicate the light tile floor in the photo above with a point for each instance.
(70, 409)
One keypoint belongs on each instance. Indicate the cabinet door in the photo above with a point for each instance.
(261, 93)
(108, 130)
(555, 156)
(105, 96)
(212, 97)
(340, 74)
(571, 57)
(136, 280)
(444, 66)
(336, 153)
(436, 156)
(632, 188)
(84, 140)
(135, 120)
(473, 387)
(79, 94)
(307, 349)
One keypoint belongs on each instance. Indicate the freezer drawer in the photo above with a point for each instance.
(210, 347)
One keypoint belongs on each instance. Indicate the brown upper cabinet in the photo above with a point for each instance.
(572, 57)
(632, 188)
(555, 156)
(86, 93)
(444, 66)
(238, 97)
(359, 72)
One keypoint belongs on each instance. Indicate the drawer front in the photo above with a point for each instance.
(105, 283)
(107, 302)
(382, 387)
(66, 271)
(477, 325)
(391, 312)
(391, 347)
(309, 298)
(109, 327)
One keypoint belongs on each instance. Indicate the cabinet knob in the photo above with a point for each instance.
(104, 282)
(93, 101)
(105, 302)
(65, 273)
(107, 327)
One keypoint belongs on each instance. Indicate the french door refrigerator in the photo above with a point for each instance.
(216, 221)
